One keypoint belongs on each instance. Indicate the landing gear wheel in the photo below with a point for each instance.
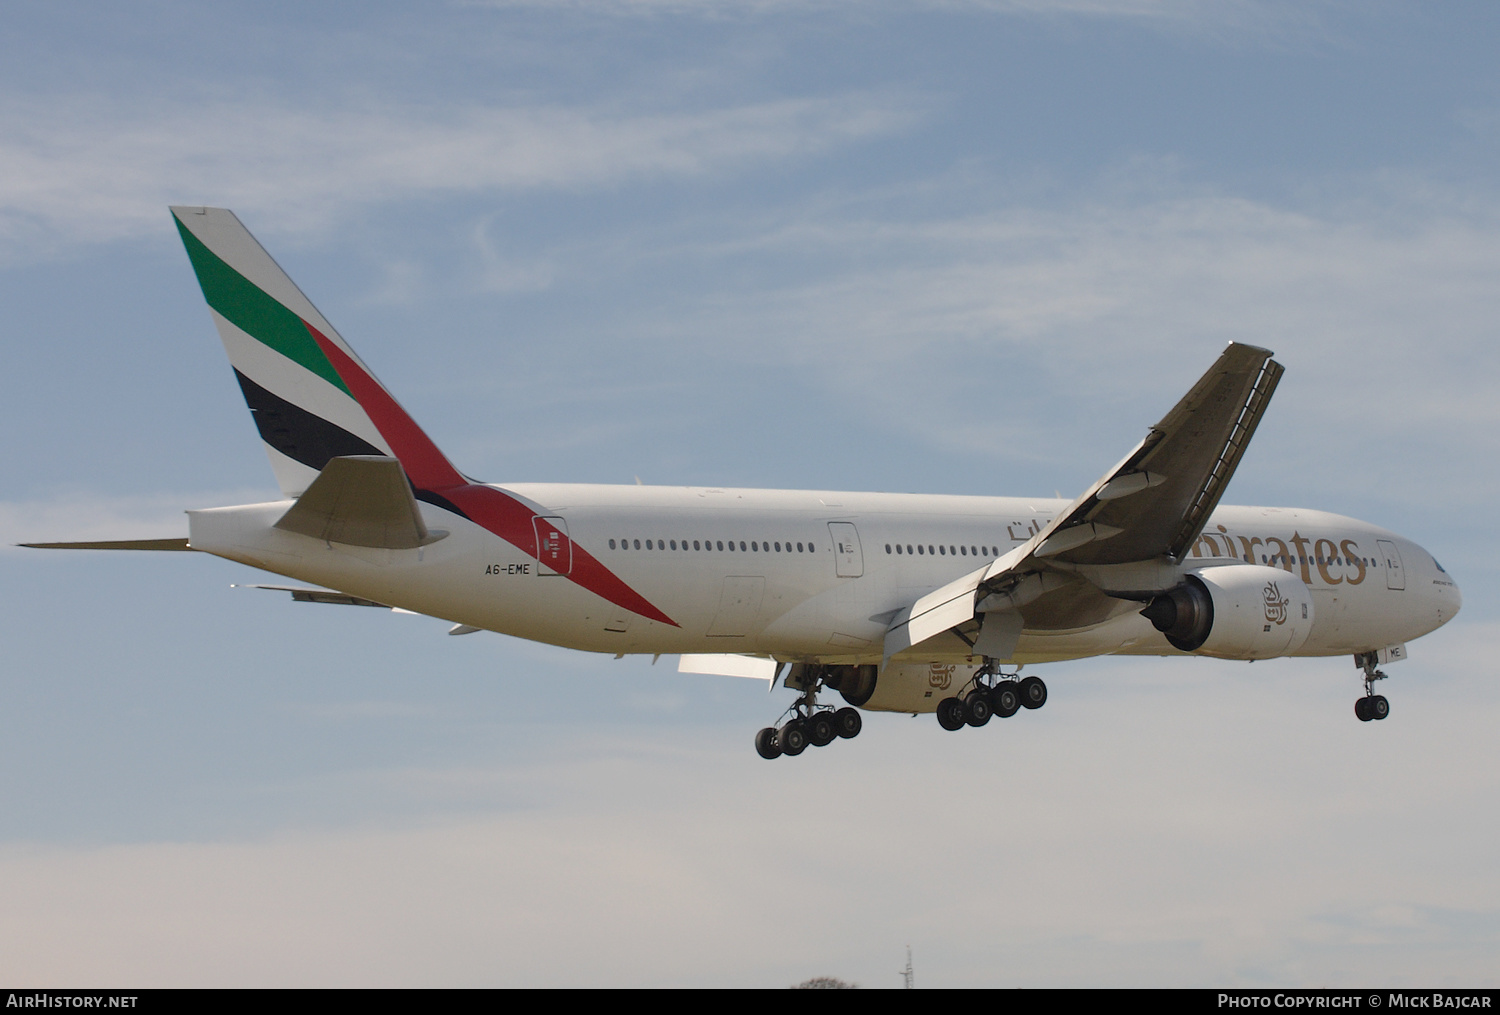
(848, 723)
(765, 743)
(1006, 699)
(1378, 707)
(950, 714)
(820, 729)
(1033, 692)
(978, 708)
(792, 738)
(1362, 709)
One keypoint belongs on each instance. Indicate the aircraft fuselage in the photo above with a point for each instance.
(816, 576)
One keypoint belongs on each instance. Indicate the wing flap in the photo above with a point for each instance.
(728, 665)
(947, 607)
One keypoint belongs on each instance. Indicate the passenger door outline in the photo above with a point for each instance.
(554, 550)
(848, 558)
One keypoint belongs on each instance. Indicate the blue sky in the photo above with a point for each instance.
(967, 247)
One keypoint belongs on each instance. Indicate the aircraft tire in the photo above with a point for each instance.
(1033, 692)
(977, 708)
(766, 745)
(1006, 699)
(792, 738)
(950, 714)
(1362, 709)
(1378, 708)
(848, 722)
(820, 729)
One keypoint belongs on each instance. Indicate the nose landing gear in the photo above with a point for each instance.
(1372, 705)
(810, 724)
(995, 693)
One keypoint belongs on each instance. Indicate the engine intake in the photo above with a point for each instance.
(855, 683)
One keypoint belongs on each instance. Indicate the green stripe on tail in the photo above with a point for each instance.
(243, 303)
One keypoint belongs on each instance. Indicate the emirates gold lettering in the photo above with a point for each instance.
(1316, 559)
(1325, 560)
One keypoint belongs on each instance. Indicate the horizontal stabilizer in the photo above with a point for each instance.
(115, 544)
(360, 500)
(300, 595)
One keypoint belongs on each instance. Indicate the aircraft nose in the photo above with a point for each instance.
(1449, 599)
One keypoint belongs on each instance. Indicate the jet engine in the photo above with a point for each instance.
(1237, 611)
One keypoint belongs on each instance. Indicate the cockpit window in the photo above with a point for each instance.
(1439, 566)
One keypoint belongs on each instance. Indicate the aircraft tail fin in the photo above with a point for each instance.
(310, 396)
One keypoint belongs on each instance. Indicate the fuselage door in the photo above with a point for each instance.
(554, 550)
(1395, 578)
(848, 560)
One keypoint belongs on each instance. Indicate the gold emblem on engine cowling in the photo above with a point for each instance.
(1276, 607)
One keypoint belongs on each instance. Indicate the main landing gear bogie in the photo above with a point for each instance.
(810, 725)
(1004, 698)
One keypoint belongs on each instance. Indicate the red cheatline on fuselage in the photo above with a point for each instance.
(430, 472)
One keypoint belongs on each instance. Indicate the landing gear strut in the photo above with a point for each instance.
(809, 724)
(994, 693)
(1372, 705)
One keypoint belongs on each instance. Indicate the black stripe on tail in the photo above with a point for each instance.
(297, 433)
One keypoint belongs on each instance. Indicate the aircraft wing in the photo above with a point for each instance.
(1149, 507)
(1154, 503)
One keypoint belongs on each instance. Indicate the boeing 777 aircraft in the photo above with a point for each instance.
(897, 602)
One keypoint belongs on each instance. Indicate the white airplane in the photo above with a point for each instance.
(898, 602)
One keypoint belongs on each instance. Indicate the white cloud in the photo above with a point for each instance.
(1148, 10)
(1380, 302)
(82, 170)
(1222, 23)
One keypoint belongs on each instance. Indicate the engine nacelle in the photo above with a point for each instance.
(1238, 611)
(901, 687)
